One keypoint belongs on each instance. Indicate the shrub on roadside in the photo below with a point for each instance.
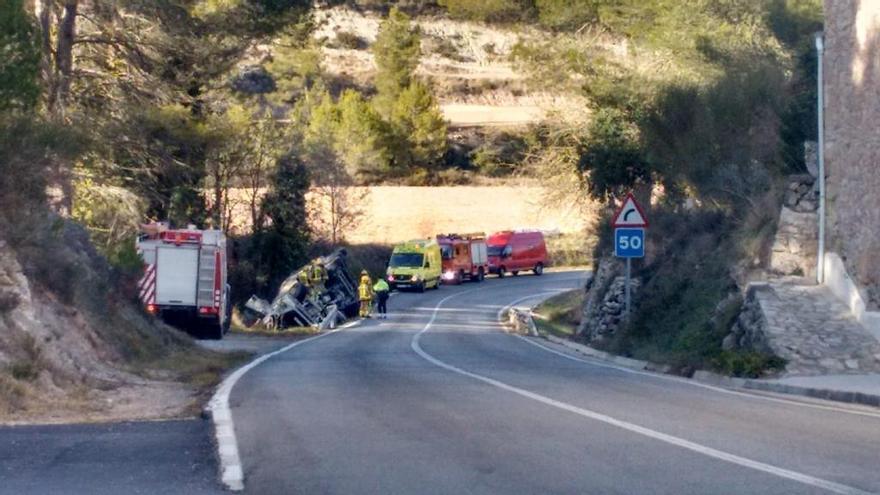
(745, 364)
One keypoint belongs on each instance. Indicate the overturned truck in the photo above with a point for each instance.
(295, 305)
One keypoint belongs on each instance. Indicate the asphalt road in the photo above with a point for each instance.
(150, 458)
(437, 400)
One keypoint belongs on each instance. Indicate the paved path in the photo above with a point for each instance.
(815, 332)
(437, 400)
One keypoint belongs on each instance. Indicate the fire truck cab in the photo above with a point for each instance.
(464, 257)
(184, 280)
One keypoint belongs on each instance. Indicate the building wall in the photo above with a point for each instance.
(852, 130)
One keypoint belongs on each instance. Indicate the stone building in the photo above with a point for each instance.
(852, 146)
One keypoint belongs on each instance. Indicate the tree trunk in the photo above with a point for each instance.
(217, 213)
(64, 59)
(44, 7)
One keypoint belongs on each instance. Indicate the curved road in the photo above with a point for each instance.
(437, 400)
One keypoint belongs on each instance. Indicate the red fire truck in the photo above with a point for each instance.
(184, 280)
(464, 257)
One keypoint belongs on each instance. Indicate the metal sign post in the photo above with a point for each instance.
(629, 240)
(626, 287)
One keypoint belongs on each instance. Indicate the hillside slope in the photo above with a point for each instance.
(467, 63)
(70, 350)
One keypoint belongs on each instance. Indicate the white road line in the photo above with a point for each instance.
(694, 383)
(231, 470)
(684, 381)
(663, 437)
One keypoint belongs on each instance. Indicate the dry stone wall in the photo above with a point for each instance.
(606, 299)
(796, 243)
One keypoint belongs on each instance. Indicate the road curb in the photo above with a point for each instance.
(715, 379)
(816, 393)
(231, 469)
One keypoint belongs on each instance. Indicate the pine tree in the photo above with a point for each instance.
(396, 51)
(416, 119)
(283, 242)
(362, 138)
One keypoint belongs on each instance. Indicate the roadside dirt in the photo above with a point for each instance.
(63, 363)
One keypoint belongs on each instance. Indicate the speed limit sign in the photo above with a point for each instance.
(629, 243)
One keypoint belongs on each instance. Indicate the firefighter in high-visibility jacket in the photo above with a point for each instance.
(317, 278)
(365, 294)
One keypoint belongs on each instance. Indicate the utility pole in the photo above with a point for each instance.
(820, 53)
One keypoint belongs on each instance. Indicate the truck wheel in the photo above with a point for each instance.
(515, 273)
(539, 269)
(501, 271)
(421, 287)
(460, 277)
(211, 329)
(481, 275)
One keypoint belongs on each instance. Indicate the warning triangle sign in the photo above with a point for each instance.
(630, 214)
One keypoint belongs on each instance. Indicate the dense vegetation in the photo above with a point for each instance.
(132, 110)
(711, 109)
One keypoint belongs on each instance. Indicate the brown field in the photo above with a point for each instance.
(398, 213)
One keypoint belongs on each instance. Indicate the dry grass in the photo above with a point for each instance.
(399, 213)
(561, 314)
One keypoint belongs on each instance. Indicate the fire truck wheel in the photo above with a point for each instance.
(481, 275)
(212, 330)
(515, 273)
(539, 269)
(501, 271)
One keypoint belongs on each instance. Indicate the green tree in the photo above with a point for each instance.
(490, 10)
(397, 50)
(612, 159)
(419, 125)
(295, 64)
(19, 58)
(281, 245)
(362, 138)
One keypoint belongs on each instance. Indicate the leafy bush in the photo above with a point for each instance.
(501, 11)
(444, 47)
(747, 364)
(500, 155)
(350, 40)
(570, 249)
(567, 14)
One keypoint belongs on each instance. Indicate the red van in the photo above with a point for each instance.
(517, 251)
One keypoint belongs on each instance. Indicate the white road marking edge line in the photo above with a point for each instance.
(593, 361)
(231, 469)
(670, 439)
(689, 381)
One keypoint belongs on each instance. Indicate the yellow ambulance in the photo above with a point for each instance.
(415, 265)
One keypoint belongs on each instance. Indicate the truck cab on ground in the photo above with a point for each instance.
(415, 265)
(517, 251)
(464, 257)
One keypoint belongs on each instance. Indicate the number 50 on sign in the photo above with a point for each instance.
(629, 243)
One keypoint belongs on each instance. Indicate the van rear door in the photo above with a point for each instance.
(177, 273)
